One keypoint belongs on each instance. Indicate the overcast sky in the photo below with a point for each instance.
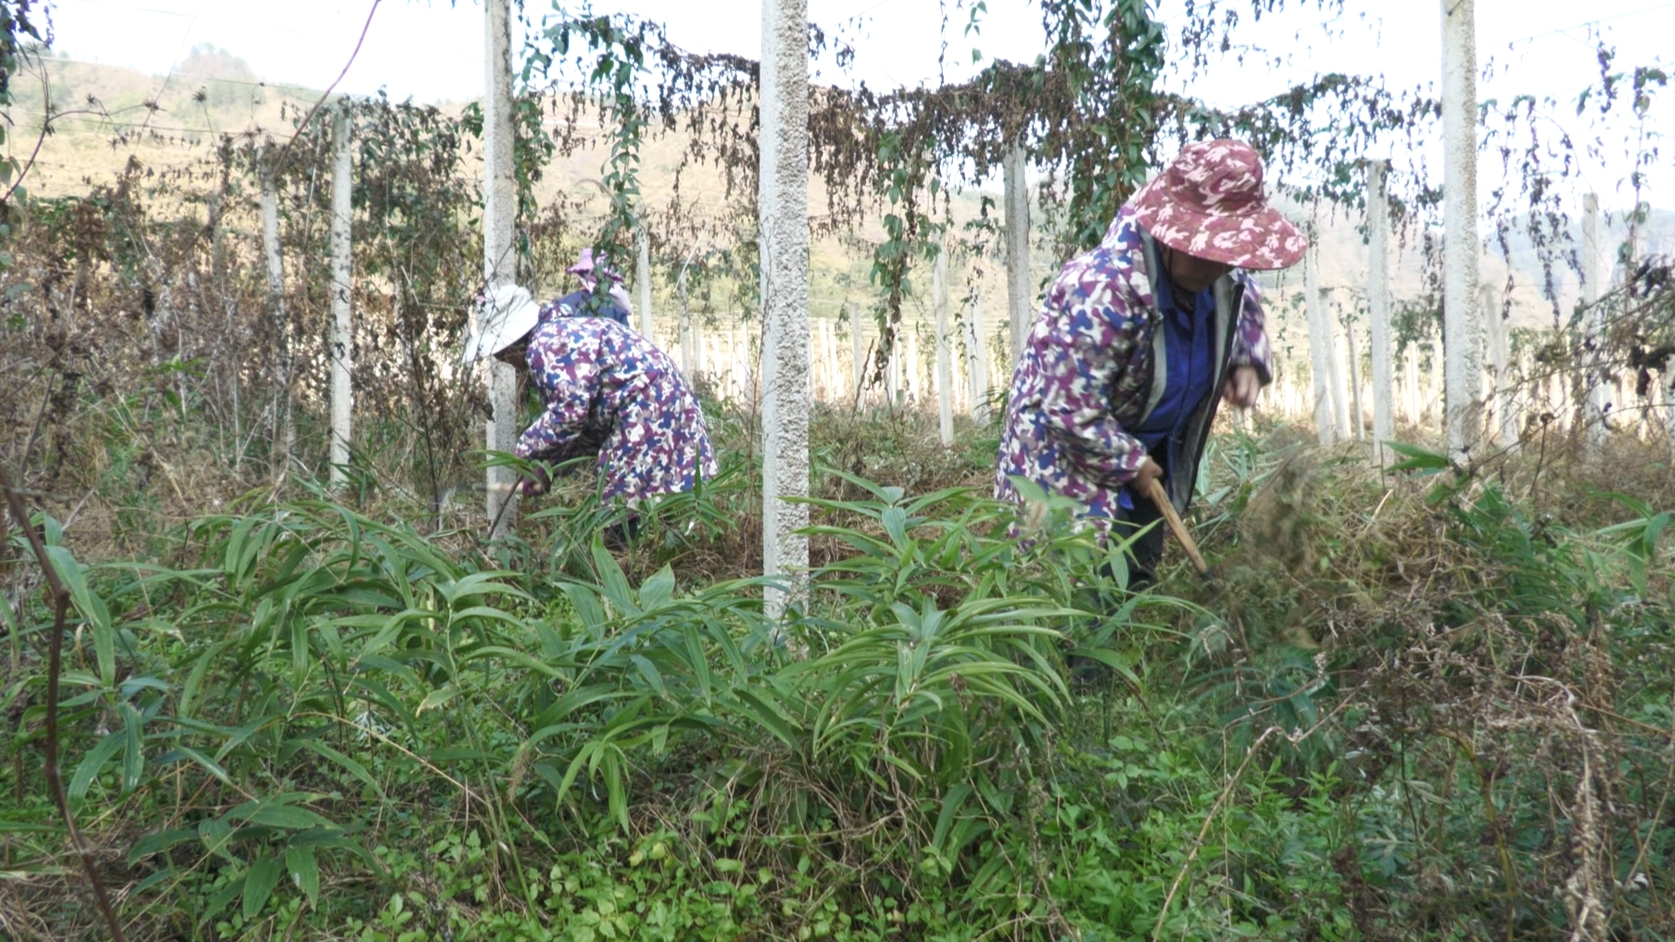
(432, 50)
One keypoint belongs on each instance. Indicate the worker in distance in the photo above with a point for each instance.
(608, 391)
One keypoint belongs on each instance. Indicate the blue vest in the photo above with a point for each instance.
(1190, 369)
(586, 304)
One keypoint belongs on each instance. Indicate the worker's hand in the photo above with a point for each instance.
(1241, 386)
(1148, 472)
(536, 484)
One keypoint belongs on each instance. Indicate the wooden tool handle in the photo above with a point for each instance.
(1165, 506)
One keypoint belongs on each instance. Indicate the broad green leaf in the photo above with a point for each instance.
(205, 762)
(159, 841)
(259, 883)
(278, 812)
(437, 698)
(92, 608)
(216, 833)
(1418, 459)
(90, 766)
(657, 589)
(648, 670)
(349, 765)
(768, 713)
(305, 872)
(514, 656)
(895, 524)
(612, 580)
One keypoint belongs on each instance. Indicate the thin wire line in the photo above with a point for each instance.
(1603, 19)
(184, 36)
(280, 161)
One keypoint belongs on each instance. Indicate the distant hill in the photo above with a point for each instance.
(207, 63)
(172, 121)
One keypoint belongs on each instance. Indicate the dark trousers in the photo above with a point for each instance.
(1144, 551)
(1142, 554)
(619, 536)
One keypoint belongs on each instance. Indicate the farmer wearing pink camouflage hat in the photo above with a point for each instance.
(1117, 382)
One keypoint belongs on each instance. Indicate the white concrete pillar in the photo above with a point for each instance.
(1378, 304)
(1500, 367)
(343, 327)
(642, 282)
(1668, 393)
(1320, 348)
(1462, 334)
(1357, 424)
(892, 371)
(829, 361)
(688, 335)
(284, 426)
(944, 344)
(1018, 286)
(857, 353)
(1597, 415)
(977, 360)
(834, 365)
(1410, 370)
(500, 207)
(783, 226)
(915, 381)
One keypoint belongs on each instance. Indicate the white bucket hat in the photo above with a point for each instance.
(502, 320)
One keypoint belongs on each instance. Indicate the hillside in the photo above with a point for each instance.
(169, 122)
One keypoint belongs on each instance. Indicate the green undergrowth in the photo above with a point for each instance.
(1411, 709)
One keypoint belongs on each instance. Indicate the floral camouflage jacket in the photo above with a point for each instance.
(1087, 370)
(603, 382)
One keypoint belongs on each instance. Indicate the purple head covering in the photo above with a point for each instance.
(587, 270)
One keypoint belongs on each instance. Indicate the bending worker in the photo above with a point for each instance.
(588, 302)
(1117, 382)
(608, 391)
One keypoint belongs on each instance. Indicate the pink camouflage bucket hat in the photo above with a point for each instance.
(587, 267)
(1209, 203)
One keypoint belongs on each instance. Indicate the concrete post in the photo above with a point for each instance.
(977, 360)
(944, 345)
(1462, 333)
(834, 360)
(343, 332)
(1500, 367)
(283, 423)
(1018, 287)
(915, 379)
(1378, 304)
(783, 223)
(857, 350)
(1320, 348)
(1335, 371)
(1357, 423)
(829, 359)
(1669, 400)
(892, 371)
(500, 206)
(642, 282)
(688, 336)
(1596, 417)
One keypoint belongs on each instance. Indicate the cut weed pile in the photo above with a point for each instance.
(1418, 708)
(1497, 670)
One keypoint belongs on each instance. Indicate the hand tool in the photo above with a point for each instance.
(1165, 506)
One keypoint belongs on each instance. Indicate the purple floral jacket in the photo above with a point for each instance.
(1087, 371)
(610, 389)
